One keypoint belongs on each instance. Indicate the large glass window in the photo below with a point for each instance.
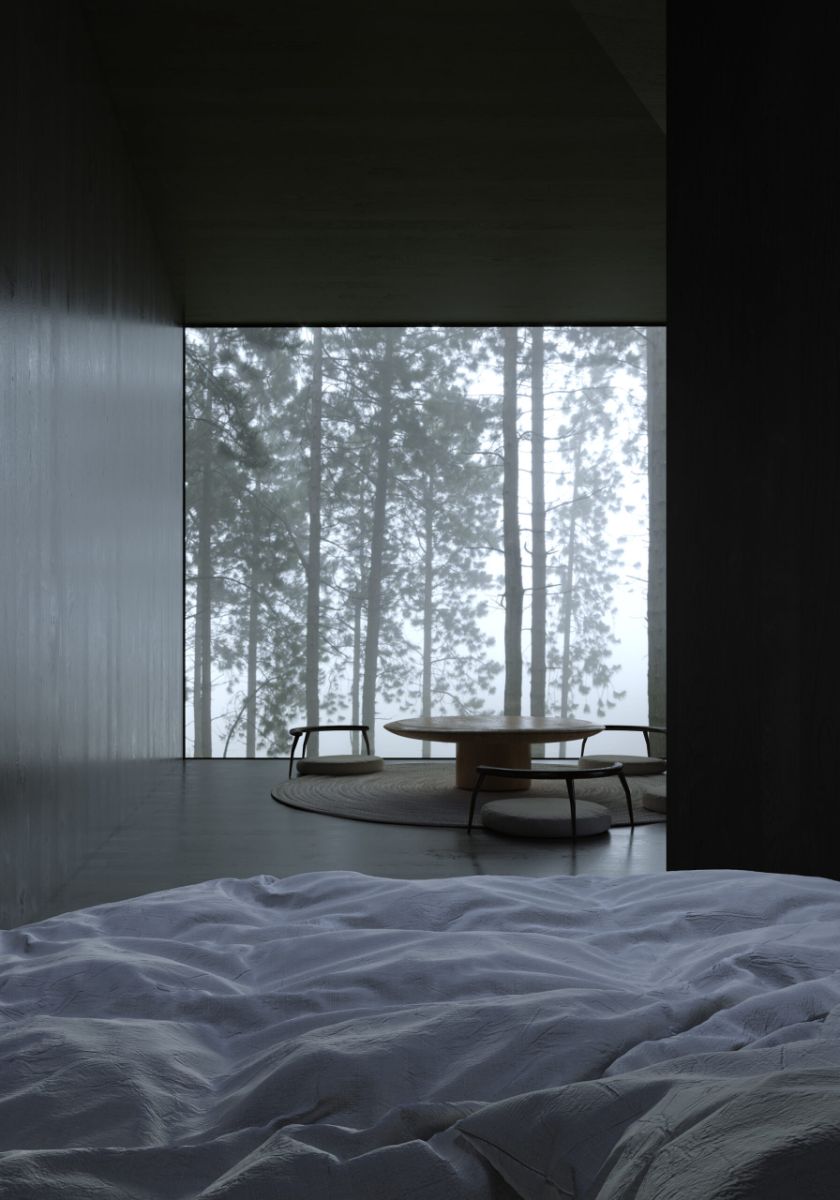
(395, 522)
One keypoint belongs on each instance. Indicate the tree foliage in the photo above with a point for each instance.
(358, 539)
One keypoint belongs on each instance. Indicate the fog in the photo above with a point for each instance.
(370, 466)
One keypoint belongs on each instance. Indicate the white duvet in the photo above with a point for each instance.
(339, 1035)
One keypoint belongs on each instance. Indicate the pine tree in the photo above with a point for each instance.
(313, 557)
(585, 565)
(448, 512)
(656, 616)
(238, 402)
(347, 494)
(539, 556)
(514, 591)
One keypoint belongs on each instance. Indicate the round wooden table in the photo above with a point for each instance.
(493, 742)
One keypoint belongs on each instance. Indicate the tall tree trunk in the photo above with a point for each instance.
(196, 688)
(313, 557)
(568, 598)
(538, 554)
(656, 614)
(428, 582)
(202, 676)
(377, 542)
(512, 548)
(254, 581)
(356, 680)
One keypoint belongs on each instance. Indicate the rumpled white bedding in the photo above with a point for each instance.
(327, 1034)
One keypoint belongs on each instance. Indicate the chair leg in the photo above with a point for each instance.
(295, 741)
(570, 788)
(629, 799)
(479, 779)
(367, 743)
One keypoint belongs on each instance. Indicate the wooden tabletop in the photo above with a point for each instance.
(460, 729)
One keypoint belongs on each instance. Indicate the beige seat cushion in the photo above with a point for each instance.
(546, 816)
(340, 764)
(634, 764)
(655, 801)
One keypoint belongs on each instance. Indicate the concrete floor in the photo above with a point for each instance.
(215, 818)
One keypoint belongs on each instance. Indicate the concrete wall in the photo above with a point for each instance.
(90, 464)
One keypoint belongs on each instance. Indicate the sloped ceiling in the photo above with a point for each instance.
(632, 34)
(432, 164)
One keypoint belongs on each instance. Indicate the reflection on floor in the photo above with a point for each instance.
(215, 818)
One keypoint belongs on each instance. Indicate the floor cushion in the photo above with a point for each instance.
(544, 816)
(634, 764)
(655, 801)
(340, 764)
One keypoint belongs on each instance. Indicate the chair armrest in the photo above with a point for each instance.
(644, 730)
(299, 729)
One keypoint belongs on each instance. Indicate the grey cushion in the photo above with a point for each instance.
(655, 801)
(634, 764)
(544, 816)
(340, 764)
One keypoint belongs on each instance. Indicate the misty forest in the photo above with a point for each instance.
(389, 522)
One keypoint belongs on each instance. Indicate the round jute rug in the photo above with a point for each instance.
(423, 794)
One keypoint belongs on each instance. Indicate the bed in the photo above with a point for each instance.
(339, 1035)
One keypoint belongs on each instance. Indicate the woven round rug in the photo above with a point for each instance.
(423, 794)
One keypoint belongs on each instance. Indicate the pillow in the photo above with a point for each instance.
(340, 764)
(544, 816)
(730, 1126)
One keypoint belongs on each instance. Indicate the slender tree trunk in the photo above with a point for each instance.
(356, 681)
(656, 614)
(377, 546)
(253, 629)
(512, 548)
(568, 600)
(539, 558)
(202, 676)
(196, 688)
(313, 558)
(428, 582)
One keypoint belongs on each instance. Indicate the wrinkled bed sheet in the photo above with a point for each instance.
(325, 1035)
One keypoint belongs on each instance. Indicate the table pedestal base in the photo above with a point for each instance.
(492, 751)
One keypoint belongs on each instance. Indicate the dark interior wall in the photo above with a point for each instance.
(90, 457)
(753, 443)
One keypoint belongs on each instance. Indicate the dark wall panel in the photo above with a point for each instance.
(754, 431)
(90, 457)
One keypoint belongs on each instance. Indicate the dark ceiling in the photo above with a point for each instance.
(432, 164)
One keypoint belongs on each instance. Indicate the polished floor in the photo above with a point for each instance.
(216, 818)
